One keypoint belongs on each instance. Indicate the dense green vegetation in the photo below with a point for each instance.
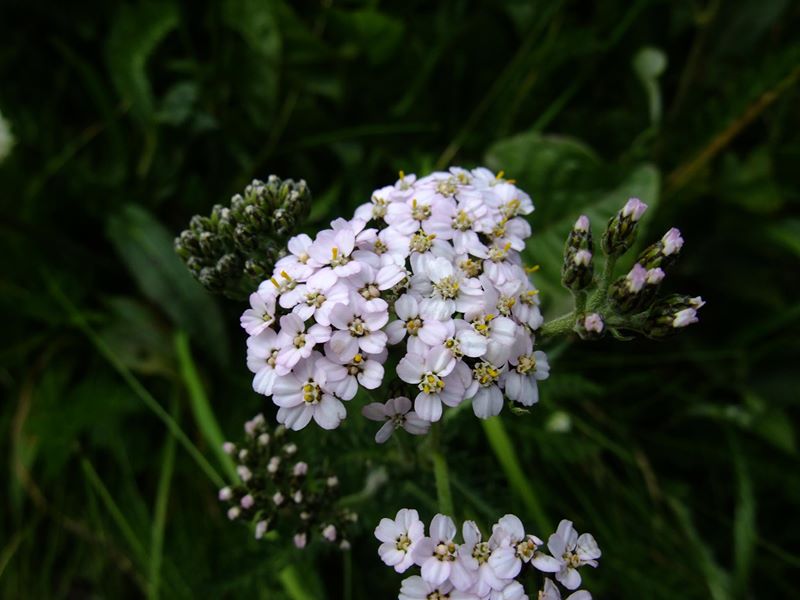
(680, 456)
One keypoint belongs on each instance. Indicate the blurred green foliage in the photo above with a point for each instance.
(681, 457)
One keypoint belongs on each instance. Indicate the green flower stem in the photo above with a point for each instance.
(441, 473)
(559, 326)
(601, 295)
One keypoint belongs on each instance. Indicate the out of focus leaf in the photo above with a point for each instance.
(257, 66)
(370, 33)
(178, 104)
(786, 233)
(750, 183)
(135, 33)
(146, 248)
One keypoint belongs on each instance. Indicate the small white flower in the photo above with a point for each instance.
(634, 208)
(423, 322)
(247, 501)
(298, 263)
(296, 343)
(570, 551)
(278, 498)
(225, 494)
(244, 473)
(437, 553)
(436, 380)
(514, 547)
(551, 592)
(361, 370)
(307, 392)
(261, 313)
(300, 469)
(512, 591)
(262, 356)
(672, 242)
(472, 570)
(416, 588)
(329, 533)
(527, 368)
(300, 540)
(400, 538)
(593, 322)
(357, 328)
(396, 413)
(261, 529)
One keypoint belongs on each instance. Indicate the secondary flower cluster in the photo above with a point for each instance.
(277, 489)
(428, 270)
(478, 568)
(233, 249)
(632, 302)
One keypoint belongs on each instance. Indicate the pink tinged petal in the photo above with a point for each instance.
(440, 361)
(432, 333)
(372, 375)
(513, 386)
(513, 526)
(291, 324)
(264, 381)
(341, 315)
(347, 388)
(546, 563)
(567, 533)
(428, 407)
(488, 402)
(390, 555)
(417, 346)
(329, 412)
(435, 571)
(395, 331)
(374, 411)
(319, 333)
(296, 417)
(462, 577)
(423, 550)
(406, 307)
(587, 547)
(415, 425)
(556, 544)
(344, 345)
(373, 342)
(414, 588)
(471, 533)
(409, 369)
(294, 398)
(473, 344)
(389, 276)
(442, 528)
(398, 406)
(385, 432)
(387, 530)
(375, 320)
(569, 578)
(582, 595)
(504, 562)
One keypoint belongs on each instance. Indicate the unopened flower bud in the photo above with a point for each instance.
(297, 496)
(243, 454)
(577, 270)
(274, 463)
(247, 501)
(290, 449)
(277, 498)
(261, 529)
(329, 533)
(229, 448)
(672, 313)
(344, 545)
(244, 473)
(621, 231)
(234, 512)
(664, 252)
(300, 469)
(300, 540)
(636, 290)
(263, 439)
(332, 481)
(590, 327)
(225, 494)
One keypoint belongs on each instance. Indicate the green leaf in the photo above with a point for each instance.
(146, 248)
(370, 33)
(135, 33)
(546, 246)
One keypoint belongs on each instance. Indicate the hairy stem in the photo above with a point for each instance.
(559, 326)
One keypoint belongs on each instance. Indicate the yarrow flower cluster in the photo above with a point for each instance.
(278, 490)
(482, 569)
(429, 273)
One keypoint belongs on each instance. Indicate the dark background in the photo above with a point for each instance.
(680, 456)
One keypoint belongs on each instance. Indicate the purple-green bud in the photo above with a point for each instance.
(671, 314)
(636, 290)
(590, 326)
(577, 270)
(621, 231)
(664, 252)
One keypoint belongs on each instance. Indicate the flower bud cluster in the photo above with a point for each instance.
(482, 569)
(621, 231)
(235, 247)
(630, 302)
(578, 268)
(277, 490)
(428, 276)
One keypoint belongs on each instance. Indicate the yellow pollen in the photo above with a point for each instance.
(358, 358)
(334, 252)
(402, 174)
(499, 175)
(285, 275)
(533, 269)
(275, 282)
